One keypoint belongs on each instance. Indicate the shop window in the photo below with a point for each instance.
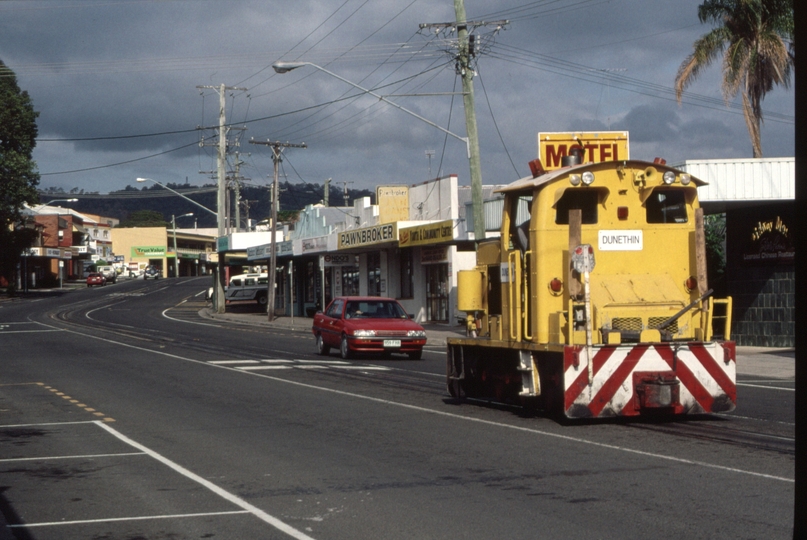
(374, 274)
(350, 281)
(310, 281)
(407, 274)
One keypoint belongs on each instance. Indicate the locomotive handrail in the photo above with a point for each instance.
(512, 265)
(525, 311)
(678, 315)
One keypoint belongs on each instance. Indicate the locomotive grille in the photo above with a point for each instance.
(653, 322)
(630, 324)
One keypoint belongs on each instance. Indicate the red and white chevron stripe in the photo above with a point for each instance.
(630, 380)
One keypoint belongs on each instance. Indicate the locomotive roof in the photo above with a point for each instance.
(530, 183)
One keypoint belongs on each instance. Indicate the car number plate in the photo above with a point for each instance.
(392, 343)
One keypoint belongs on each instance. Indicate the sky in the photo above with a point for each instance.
(117, 87)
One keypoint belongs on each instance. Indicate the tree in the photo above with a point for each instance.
(756, 39)
(18, 174)
(144, 218)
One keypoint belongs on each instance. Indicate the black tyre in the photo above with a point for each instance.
(262, 299)
(322, 349)
(344, 348)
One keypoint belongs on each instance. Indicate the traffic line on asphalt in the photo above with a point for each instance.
(226, 495)
(767, 387)
(75, 402)
(267, 364)
(87, 456)
(113, 520)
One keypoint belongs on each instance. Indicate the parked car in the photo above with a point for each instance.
(95, 278)
(367, 324)
(152, 272)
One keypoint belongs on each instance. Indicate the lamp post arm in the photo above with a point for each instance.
(382, 98)
(181, 195)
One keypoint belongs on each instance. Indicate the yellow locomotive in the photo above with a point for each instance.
(593, 301)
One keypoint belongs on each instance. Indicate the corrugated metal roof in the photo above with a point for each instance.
(751, 179)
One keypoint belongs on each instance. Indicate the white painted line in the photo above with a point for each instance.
(28, 331)
(276, 361)
(88, 456)
(364, 368)
(200, 293)
(325, 362)
(258, 368)
(189, 322)
(662, 457)
(312, 366)
(11, 426)
(226, 495)
(767, 387)
(229, 362)
(112, 520)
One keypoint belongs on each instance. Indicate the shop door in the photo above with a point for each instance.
(437, 292)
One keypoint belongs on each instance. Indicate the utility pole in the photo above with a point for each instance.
(344, 190)
(221, 200)
(276, 150)
(327, 194)
(465, 53)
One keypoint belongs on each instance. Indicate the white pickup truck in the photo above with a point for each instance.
(248, 287)
(109, 273)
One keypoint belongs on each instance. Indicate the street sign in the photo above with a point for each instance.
(583, 258)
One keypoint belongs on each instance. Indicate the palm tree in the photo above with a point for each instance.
(756, 39)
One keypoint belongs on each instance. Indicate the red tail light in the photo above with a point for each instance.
(556, 286)
(622, 212)
(691, 283)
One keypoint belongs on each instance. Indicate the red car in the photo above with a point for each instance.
(368, 324)
(95, 279)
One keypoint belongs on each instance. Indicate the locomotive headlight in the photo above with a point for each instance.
(685, 179)
(669, 177)
(574, 179)
(588, 178)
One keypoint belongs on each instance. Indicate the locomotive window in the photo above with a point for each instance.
(577, 199)
(666, 206)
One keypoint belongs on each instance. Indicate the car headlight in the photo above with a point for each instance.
(416, 333)
(364, 333)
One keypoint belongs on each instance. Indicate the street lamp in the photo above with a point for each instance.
(174, 228)
(178, 193)
(471, 147)
(218, 289)
(41, 206)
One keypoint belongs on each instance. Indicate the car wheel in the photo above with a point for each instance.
(88, 285)
(322, 349)
(344, 348)
(262, 299)
(416, 355)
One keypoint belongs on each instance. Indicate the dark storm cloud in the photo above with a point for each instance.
(108, 69)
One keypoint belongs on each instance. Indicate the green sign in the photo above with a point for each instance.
(148, 251)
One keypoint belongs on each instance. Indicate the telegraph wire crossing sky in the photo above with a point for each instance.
(115, 84)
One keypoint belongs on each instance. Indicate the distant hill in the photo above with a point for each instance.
(255, 204)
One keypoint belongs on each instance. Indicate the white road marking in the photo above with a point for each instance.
(767, 387)
(87, 456)
(226, 495)
(254, 368)
(112, 520)
(228, 362)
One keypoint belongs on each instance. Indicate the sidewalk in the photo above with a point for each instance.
(753, 361)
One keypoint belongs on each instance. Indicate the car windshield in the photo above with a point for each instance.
(374, 309)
